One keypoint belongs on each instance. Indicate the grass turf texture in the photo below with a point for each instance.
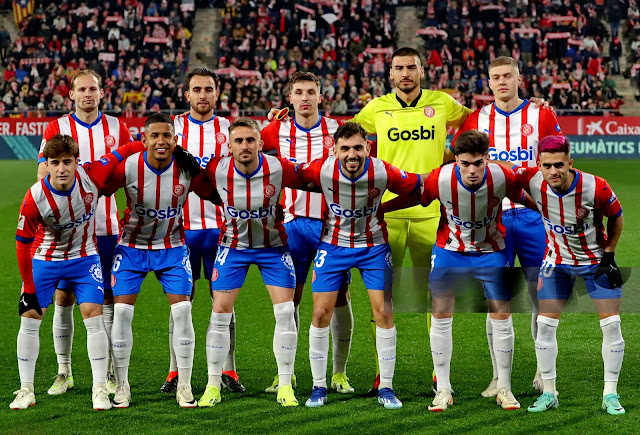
(579, 361)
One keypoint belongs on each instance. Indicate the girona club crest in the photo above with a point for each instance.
(373, 193)
(178, 190)
(110, 141)
(327, 142)
(221, 138)
(269, 190)
(88, 198)
(540, 283)
(493, 202)
(313, 279)
(429, 112)
(113, 280)
(526, 130)
(214, 274)
(582, 212)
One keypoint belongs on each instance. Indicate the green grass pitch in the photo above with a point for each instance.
(579, 362)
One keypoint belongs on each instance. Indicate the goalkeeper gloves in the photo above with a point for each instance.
(609, 268)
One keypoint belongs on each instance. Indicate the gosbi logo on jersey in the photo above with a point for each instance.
(260, 213)
(566, 229)
(164, 213)
(353, 213)
(110, 141)
(473, 225)
(204, 160)
(327, 142)
(394, 134)
(178, 190)
(526, 129)
(269, 190)
(429, 112)
(582, 212)
(221, 138)
(75, 223)
(373, 193)
(517, 155)
(88, 198)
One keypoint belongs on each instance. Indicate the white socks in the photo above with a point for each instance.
(184, 340)
(532, 288)
(441, 349)
(27, 350)
(612, 352)
(386, 348)
(98, 349)
(547, 352)
(107, 319)
(341, 333)
(489, 329)
(173, 364)
(285, 340)
(122, 341)
(318, 354)
(230, 362)
(63, 337)
(503, 339)
(217, 346)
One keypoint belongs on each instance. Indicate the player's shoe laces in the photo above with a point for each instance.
(611, 404)
(506, 399)
(122, 399)
(340, 382)
(442, 401)
(492, 389)
(184, 397)
(373, 391)
(273, 388)
(286, 396)
(170, 384)
(210, 397)
(545, 402)
(100, 398)
(24, 399)
(111, 383)
(388, 399)
(231, 381)
(61, 384)
(318, 397)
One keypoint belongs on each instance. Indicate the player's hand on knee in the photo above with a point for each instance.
(28, 301)
(609, 268)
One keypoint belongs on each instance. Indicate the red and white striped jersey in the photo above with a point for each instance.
(205, 140)
(155, 202)
(513, 136)
(470, 221)
(250, 201)
(94, 140)
(61, 223)
(300, 145)
(573, 221)
(351, 218)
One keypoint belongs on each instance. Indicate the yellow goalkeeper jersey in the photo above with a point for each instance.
(412, 136)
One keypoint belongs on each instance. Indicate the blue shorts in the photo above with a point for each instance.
(451, 272)
(106, 246)
(332, 264)
(525, 237)
(231, 266)
(203, 245)
(131, 265)
(303, 238)
(84, 276)
(557, 281)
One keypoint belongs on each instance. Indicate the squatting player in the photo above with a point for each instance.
(56, 240)
(515, 126)
(306, 137)
(572, 204)
(96, 134)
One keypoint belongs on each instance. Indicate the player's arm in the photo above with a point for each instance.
(422, 193)
(100, 170)
(515, 192)
(607, 202)
(548, 124)
(204, 188)
(186, 162)
(366, 117)
(28, 223)
(270, 136)
(115, 181)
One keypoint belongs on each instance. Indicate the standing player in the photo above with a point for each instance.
(152, 239)
(309, 136)
(250, 184)
(56, 240)
(572, 204)
(470, 245)
(515, 126)
(96, 134)
(353, 236)
(205, 136)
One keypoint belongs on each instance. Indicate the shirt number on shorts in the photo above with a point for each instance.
(221, 256)
(320, 256)
(433, 260)
(546, 269)
(116, 262)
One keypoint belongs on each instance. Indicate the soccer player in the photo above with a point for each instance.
(354, 236)
(250, 184)
(206, 136)
(515, 126)
(56, 240)
(309, 136)
(152, 239)
(573, 204)
(470, 245)
(96, 134)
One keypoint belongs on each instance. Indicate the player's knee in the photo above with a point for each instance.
(322, 315)
(65, 298)
(283, 313)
